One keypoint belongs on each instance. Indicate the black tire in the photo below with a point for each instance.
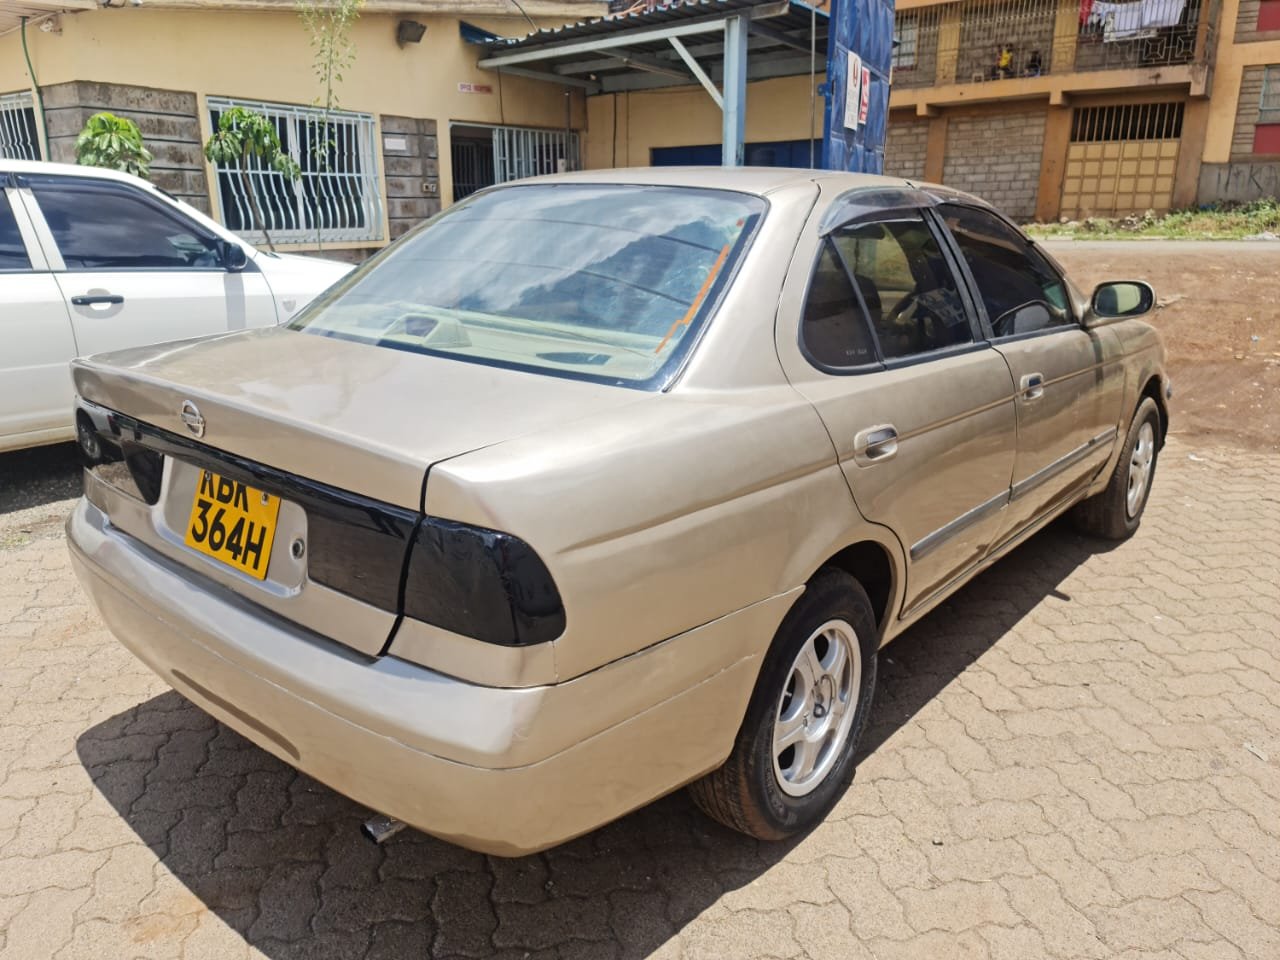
(1107, 515)
(745, 793)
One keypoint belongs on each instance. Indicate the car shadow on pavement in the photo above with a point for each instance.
(41, 475)
(281, 860)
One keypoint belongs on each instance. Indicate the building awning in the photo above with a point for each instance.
(13, 11)
(719, 44)
(635, 51)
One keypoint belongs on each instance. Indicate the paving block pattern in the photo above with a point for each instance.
(1077, 757)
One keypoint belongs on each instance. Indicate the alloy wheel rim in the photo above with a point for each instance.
(1144, 452)
(816, 708)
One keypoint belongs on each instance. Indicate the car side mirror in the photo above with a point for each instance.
(233, 256)
(1121, 299)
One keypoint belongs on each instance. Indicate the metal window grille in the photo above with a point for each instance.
(906, 31)
(1269, 102)
(1129, 121)
(18, 137)
(520, 152)
(337, 197)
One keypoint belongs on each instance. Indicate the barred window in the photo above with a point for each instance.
(337, 198)
(18, 137)
(906, 35)
(1269, 103)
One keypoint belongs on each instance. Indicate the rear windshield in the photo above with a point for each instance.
(602, 282)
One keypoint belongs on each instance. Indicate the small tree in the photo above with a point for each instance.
(114, 143)
(242, 134)
(332, 52)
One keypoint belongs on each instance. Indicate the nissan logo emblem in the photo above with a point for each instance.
(191, 417)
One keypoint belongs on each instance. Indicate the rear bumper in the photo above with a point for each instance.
(505, 771)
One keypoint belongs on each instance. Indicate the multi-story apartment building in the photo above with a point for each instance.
(1074, 108)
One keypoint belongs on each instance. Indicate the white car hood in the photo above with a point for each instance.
(296, 280)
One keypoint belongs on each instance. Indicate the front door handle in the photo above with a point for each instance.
(876, 443)
(91, 300)
(1032, 386)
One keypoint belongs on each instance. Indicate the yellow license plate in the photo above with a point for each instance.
(232, 522)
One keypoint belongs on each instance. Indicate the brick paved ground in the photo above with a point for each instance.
(1078, 757)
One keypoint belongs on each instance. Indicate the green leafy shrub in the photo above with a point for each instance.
(114, 143)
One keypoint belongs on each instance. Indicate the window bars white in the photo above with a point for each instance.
(18, 137)
(1269, 102)
(338, 197)
(520, 152)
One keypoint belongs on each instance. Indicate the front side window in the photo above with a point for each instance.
(99, 225)
(337, 197)
(13, 252)
(600, 282)
(907, 289)
(1022, 293)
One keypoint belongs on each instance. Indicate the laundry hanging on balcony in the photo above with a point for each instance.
(1130, 21)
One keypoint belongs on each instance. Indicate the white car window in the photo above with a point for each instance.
(13, 252)
(107, 226)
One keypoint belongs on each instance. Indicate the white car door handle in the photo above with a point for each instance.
(92, 300)
(877, 443)
(1032, 386)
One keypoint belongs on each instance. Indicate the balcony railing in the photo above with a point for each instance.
(975, 41)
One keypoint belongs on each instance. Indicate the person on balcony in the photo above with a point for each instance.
(1004, 63)
(1035, 65)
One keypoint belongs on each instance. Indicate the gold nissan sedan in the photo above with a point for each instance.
(603, 484)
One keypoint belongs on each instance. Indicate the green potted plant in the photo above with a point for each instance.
(114, 143)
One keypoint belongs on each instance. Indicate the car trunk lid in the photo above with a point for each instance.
(350, 415)
(340, 434)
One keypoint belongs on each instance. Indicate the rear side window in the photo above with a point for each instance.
(900, 289)
(13, 252)
(834, 329)
(106, 226)
(1021, 292)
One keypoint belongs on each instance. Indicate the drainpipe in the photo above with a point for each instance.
(44, 123)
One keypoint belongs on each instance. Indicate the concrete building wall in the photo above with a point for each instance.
(179, 58)
(997, 156)
(623, 128)
(906, 147)
(1247, 24)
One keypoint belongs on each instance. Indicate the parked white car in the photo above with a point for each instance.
(93, 260)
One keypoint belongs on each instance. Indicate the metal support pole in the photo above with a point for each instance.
(735, 91)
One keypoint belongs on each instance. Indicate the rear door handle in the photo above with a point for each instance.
(1032, 386)
(876, 443)
(89, 300)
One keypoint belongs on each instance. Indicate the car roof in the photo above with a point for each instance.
(69, 170)
(757, 180)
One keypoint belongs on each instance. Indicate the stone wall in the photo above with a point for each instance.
(410, 156)
(997, 157)
(905, 147)
(1247, 105)
(1238, 182)
(167, 118)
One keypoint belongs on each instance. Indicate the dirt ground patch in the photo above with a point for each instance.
(1220, 316)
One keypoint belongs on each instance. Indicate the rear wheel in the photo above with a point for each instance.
(1114, 514)
(794, 753)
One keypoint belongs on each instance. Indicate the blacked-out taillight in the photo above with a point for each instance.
(481, 583)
